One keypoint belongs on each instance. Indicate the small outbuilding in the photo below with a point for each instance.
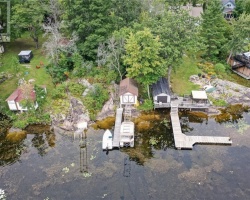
(161, 92)
(25, 56)
(128, 92)
(15, 99)
(199, 97)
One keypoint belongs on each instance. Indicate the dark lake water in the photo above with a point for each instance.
(52, 166)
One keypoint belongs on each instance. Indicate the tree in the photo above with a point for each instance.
(178, 32)
(110, 54)
(142, 57)
(95, 20)
(28, 16)
(242, 6)
(213, 29)
(240, 35)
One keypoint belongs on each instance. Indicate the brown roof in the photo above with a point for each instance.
(128, 85)
(17, 95)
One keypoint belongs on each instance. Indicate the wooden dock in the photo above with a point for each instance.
(118, 122)
(186, 142)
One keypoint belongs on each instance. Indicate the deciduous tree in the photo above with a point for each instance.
(28, 16)
(143, 58)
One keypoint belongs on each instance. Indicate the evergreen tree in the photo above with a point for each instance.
(95, 20)
(213, 29)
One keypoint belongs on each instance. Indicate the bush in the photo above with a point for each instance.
(75, 89)
(95, 99)
(219, 68)
(147, 105)
(59, 92)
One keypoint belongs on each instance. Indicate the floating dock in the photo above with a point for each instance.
(183, 141)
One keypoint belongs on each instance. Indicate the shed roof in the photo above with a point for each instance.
(161, 86)
(17, 95)
(25, 53)
(199, 94)
(128, 85)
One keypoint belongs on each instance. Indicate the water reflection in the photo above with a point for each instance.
(152, 132)
(14, 144)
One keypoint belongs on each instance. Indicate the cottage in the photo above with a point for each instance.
(128, 92)
(240, 64)
(25, 56)
(161, 92)
(14, 100)
(228, 8)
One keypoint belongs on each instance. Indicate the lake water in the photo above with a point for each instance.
(52, 166)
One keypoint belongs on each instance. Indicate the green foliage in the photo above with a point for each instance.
(28, 16)
(142, 57)
(31, 117)
(240, 34)
(147, 105)
(214, 29)
(15, 64)
(207, 67)
(60, 106)
(75, 89)
(218, 102)
(40, 95)
(95, 99)
(219, 68)
(242, 6)
(59, 92)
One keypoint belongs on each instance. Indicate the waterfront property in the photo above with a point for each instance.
(15, 99)
(128, 92)
(240, 64)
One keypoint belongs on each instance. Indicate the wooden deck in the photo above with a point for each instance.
(118, 121)
(183, 103)
(186, 142)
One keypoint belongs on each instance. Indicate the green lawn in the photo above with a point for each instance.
(180, 77)
(26, 71)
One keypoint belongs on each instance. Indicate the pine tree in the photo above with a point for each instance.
(214, 28)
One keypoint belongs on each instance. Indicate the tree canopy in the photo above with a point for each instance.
(143, 57)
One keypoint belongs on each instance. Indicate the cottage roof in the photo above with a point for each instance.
(161, 86)
(199, 94)
(128, 85)
(25, 53)
(17, 95)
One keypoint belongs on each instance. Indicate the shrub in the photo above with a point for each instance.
(75, 89)
(219, 68)
(95, 99)
(147, 105)
(59, 92)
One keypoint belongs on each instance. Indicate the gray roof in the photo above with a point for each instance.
(161, 86)
(25, 53)
(226, 1)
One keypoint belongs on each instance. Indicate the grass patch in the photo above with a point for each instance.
(180, 77)
(26, 71)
